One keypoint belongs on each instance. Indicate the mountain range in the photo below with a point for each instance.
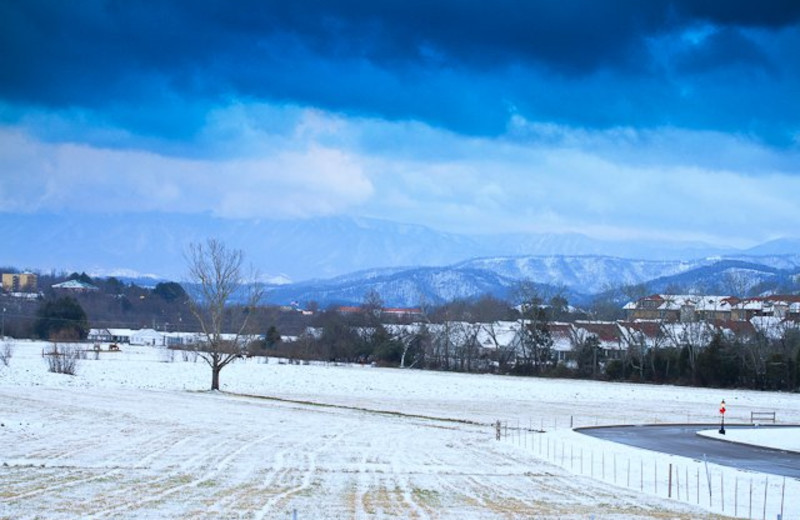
(579, 278)
(339, 259)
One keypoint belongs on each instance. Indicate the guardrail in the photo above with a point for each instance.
(762, 416)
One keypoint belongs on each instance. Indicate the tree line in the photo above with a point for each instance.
(462, 335)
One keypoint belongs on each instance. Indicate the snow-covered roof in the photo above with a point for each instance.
(120, 332)
(75, 285)
(500, 334)
(607, 333)
(676, 302)
(773, 327)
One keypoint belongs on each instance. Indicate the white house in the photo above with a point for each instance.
(99, 335)
(148, 337)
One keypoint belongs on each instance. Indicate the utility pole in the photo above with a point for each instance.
(3, 333)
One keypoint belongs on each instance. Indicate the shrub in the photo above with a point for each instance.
(615, 370)
(6, 351)
(63, 359)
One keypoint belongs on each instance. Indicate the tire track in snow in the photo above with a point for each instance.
(208, 475)
(309, 472)
(119, 493)
(274, 473)
(402, 479)
(55, 482)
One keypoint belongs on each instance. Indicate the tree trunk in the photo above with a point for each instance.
(215, 370)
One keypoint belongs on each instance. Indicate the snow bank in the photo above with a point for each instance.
(786, 439)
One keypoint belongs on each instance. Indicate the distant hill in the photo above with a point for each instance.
(152, 244)
(578, 278)
(339, 259)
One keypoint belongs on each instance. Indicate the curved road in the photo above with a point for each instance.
(683, 440)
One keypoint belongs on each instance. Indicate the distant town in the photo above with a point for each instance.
(708, 340)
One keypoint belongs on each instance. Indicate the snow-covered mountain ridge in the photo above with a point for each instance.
(338, 259)
(579, 278)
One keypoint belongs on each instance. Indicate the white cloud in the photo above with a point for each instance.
(287, 162)
(68, 177)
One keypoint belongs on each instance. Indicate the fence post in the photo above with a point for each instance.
(783, 493)
(629, 473)
(497, 430)
(603, 464)
(697, 480)
(686, 486)
(655, 477)
(572, 457)
(540, 442)
(615, 468)
(641, 474)
(669, 482)
(766, 483)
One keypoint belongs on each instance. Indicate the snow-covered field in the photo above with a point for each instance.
(135, 434)
(786, 439)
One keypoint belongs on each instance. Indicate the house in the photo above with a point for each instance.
(75, 286)
(19, 282)
(681, 307)
(779, 306)
(402, 312)
(148, 337)
(99, 335)
(182, 339)
(564, 344)
(643, 335)
(608, 335)
(120, 335)
(693, 334)
(499, 335)
(110, 335)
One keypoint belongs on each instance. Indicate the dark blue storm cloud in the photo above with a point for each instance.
(156, 69)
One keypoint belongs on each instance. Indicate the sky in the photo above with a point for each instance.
(673, 120)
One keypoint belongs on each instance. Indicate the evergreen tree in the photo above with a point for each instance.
(61, 318)
(273, 337)
(169, 291)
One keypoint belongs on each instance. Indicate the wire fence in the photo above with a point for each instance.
(718, 489)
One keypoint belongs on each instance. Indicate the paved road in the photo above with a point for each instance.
(682, 440)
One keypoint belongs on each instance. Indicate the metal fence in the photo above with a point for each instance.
(716, 488)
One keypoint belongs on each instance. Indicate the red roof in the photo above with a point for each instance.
(605, 331)
(651, 329)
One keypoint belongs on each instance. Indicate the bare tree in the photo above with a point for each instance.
(735, 283)
(692, 337)
(504, 351)
(466, 344)
(535, 339)
(219, 278)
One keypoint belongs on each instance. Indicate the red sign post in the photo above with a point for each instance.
(722, 411)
